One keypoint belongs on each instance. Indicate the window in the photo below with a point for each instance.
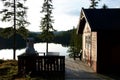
(87, 41)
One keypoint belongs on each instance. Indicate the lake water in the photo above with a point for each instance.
(39, 47)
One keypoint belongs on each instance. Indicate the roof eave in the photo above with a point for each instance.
(81, 23)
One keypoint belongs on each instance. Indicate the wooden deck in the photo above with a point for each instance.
(44, 66)
(69, 69)
(77, 70)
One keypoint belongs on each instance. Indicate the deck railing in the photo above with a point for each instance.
(41, 65)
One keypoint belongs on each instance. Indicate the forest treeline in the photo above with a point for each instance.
(60, 37)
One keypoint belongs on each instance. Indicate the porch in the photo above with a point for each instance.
(44, 66)
(58, 66)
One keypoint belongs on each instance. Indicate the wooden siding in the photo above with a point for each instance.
(90, 47)
(87, 44)
(94, 51)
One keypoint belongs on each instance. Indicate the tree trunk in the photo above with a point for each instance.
(46, 48)
(14, 48)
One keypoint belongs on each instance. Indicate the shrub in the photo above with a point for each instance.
(1, 61)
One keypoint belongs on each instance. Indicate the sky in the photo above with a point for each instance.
(65, 13)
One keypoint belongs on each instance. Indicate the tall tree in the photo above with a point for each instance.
(94, 3)
(14, 12)
(46, 23)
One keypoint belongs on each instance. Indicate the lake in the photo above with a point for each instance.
(39, 47)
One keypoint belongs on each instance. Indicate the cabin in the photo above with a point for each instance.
(100, 29)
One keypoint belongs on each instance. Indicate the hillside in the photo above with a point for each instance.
(61, 37)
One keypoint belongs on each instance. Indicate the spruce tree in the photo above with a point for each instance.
(75, 44)
(46, 23)
(105, 6)
(14, 12)
(94, 3)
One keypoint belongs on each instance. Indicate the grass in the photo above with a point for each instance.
(9, 71)
(8, 68)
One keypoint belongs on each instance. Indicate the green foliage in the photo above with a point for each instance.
(1, 61)
(44, 36)
(46, 22)
(8, 69)
(62, 37)
(94, 3)
(8, 16)
(75, 44)
(14, 12)
(23, 32)
(105, 6)
(7, 43)
(6, 33)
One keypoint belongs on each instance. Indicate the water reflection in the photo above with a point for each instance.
(39, 47)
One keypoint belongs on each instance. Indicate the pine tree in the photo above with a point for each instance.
(14, 12)
(46, 22)
(105, 6)
(71, 49)
(75, 44)
(94, 3)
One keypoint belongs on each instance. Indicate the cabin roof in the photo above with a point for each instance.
(100, 19)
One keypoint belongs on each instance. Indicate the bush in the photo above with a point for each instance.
(4, 70)
(1, 61)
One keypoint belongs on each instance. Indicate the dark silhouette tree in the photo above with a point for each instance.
(46, 23)
(14, 12)
(94, 3)
(105, 6)
(75, 44)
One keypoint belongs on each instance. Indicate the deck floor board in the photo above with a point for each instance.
(77, 70)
